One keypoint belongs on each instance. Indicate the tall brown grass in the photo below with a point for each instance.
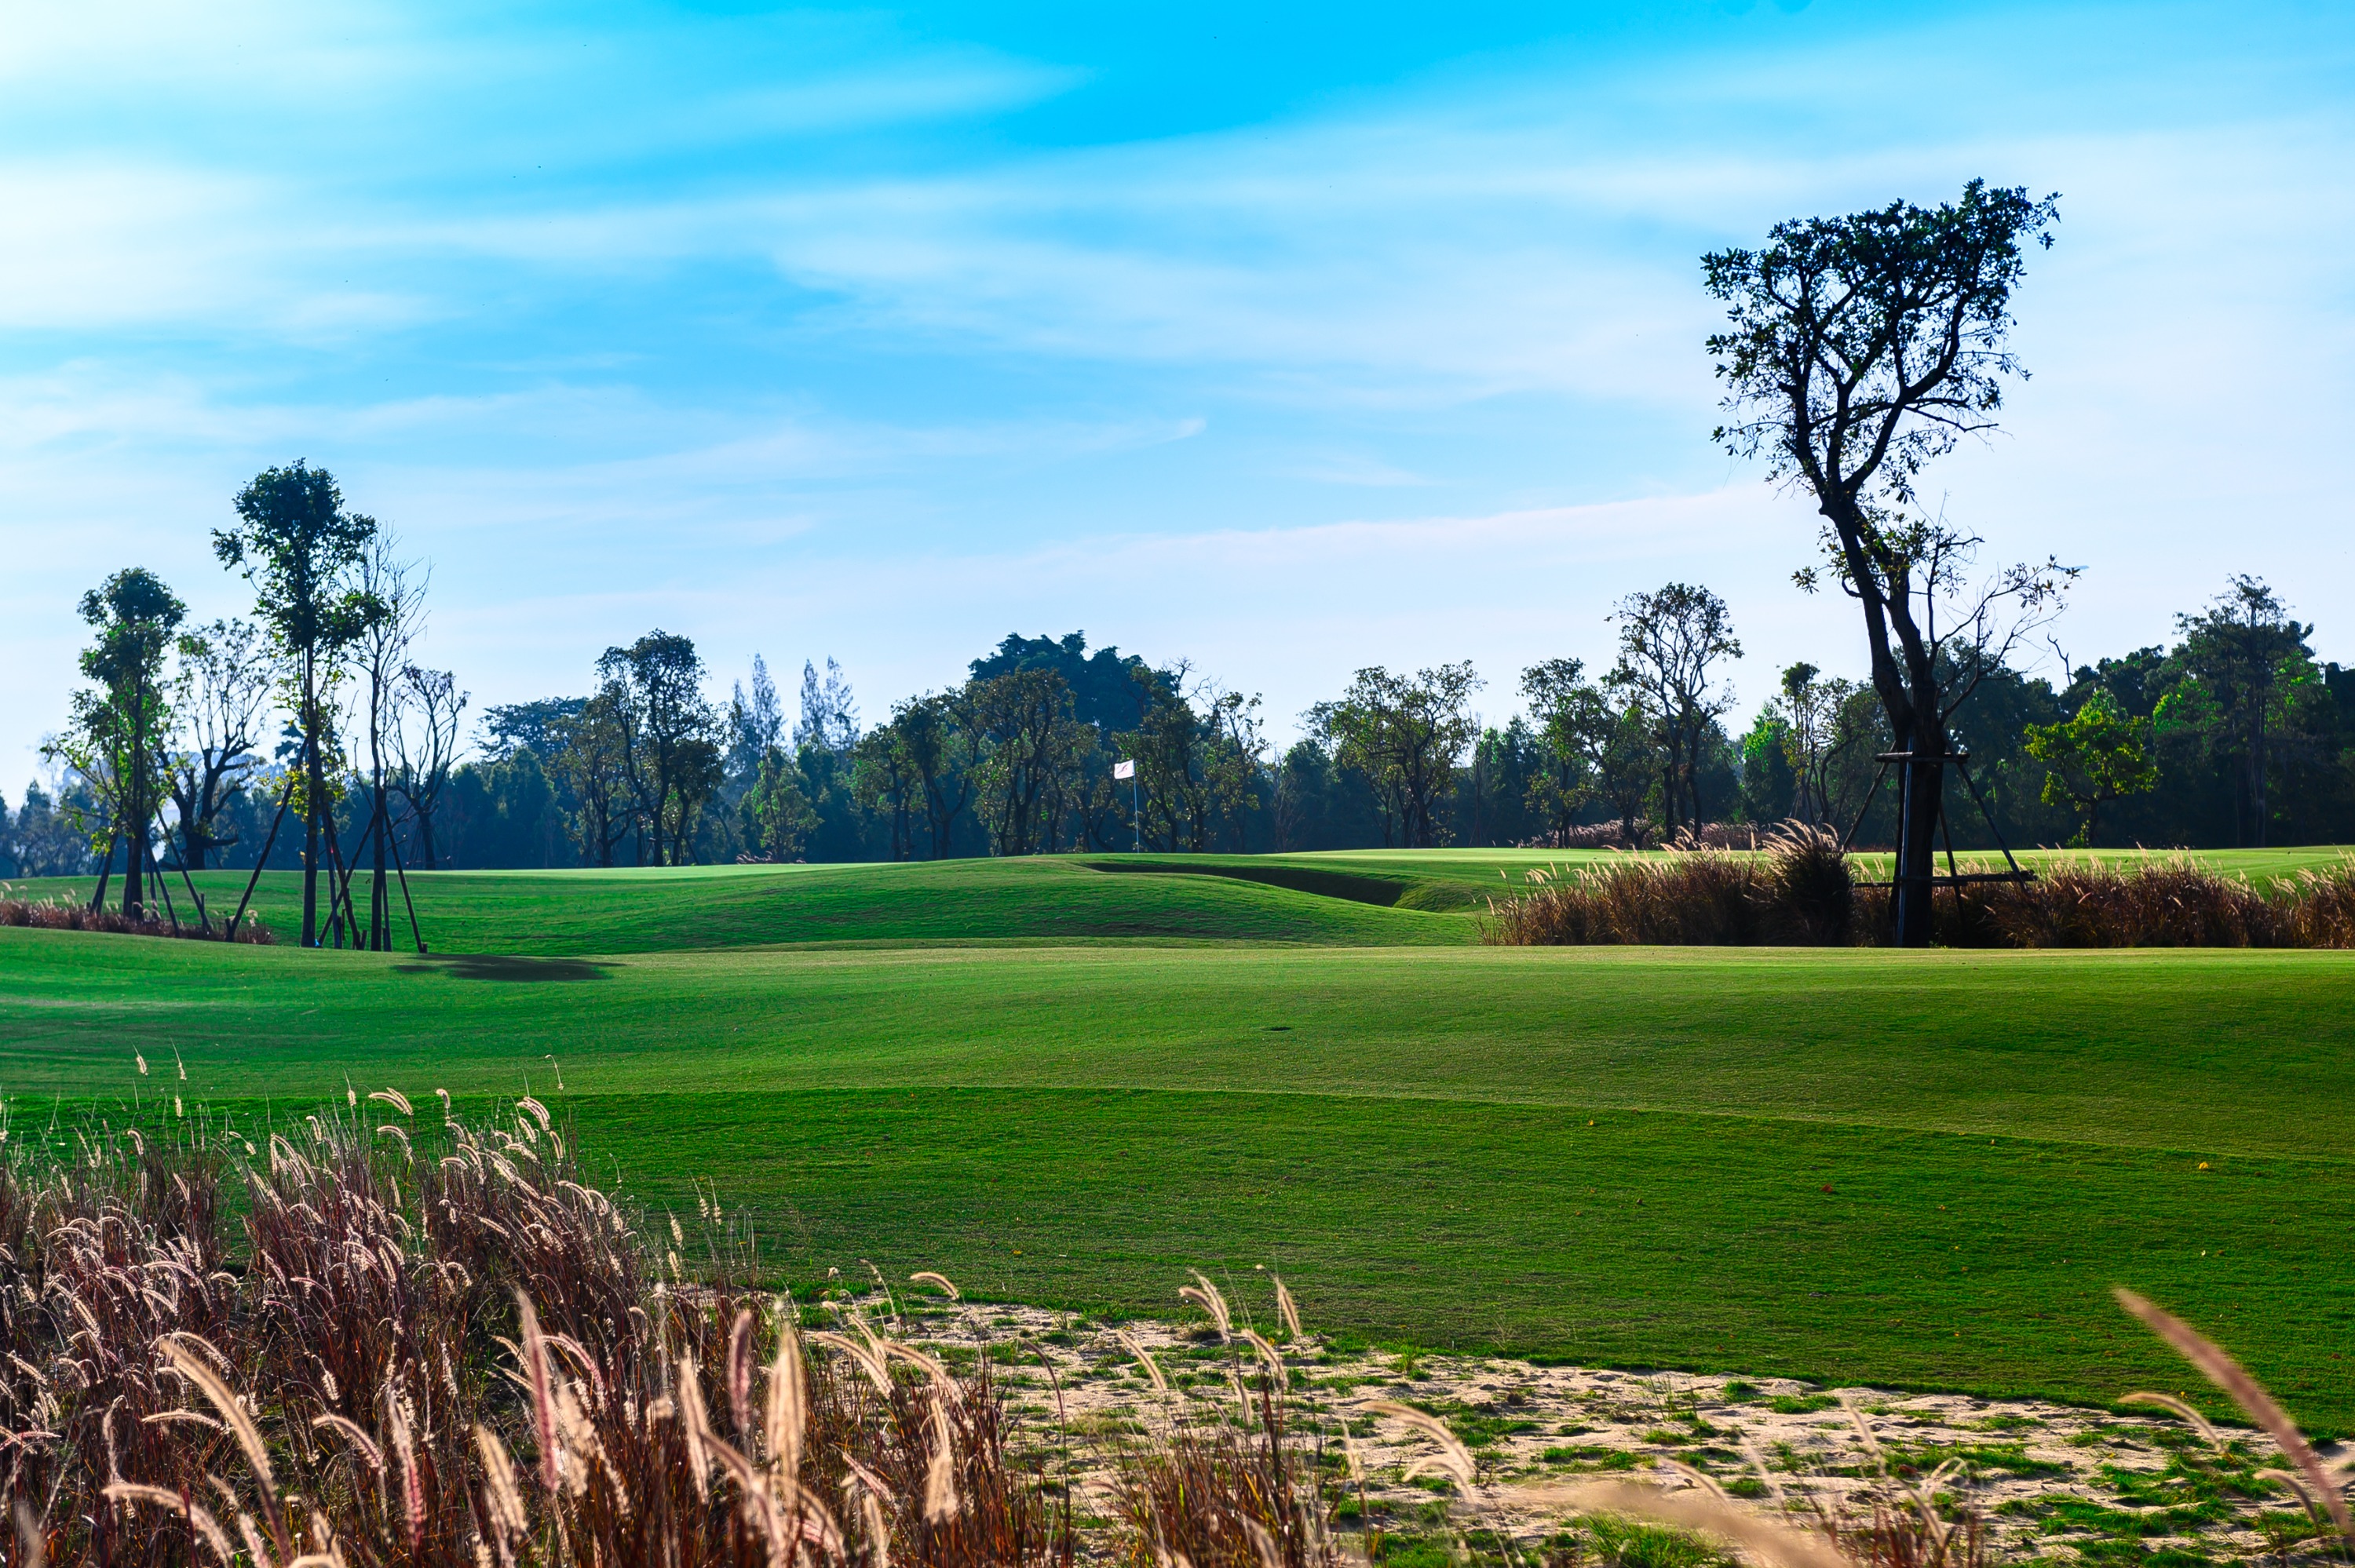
(1795, 890)
(68, 915)
(459, 1357)
(2165, 903)
(1799, 890)
(1216, 1496)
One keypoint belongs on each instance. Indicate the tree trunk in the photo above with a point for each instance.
(421, 813)
(134, 873)
(105, 870)
(380, 934)
(1693, 739)
(1920, 786)
(134, 821)
(2257, 772)
(314, 792)
(662, 803)
(380, 938)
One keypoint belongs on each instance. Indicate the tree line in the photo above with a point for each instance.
(217, 741)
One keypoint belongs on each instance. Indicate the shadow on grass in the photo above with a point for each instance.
(1384, 892)
(499, 967)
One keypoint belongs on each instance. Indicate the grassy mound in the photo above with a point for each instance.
(548, 912)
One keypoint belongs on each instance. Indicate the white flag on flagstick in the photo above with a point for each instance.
(1125, 769)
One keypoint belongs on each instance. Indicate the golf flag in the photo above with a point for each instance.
(1125, 769)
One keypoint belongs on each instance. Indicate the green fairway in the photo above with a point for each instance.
(1068, 1085)
(632, 910)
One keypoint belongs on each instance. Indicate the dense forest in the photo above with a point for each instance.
(2233, 735)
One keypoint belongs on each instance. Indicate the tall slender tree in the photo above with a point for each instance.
(670, 730)
(396, 588)
(295, 543)
(120, 731)
(756, 721)
(222, 693)
(427, 707)
(1859, 349)
(829, 717)
(1669, 643)
(1574, 721)
(883, 777)
(592, 762)
(1805, 706)
(941, 744)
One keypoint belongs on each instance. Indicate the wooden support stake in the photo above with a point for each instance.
(106, 869)
(402, 872)
(286, 798)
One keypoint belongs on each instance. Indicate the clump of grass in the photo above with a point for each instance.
(71, 915)
(1794, 890)
(444, 1347)
(1217, 1497)
(2324, 906)
(2173, 903)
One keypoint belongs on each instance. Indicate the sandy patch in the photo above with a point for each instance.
(2047, 1479)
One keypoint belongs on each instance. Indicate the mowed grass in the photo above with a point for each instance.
(1069, 1086)
(633, 910)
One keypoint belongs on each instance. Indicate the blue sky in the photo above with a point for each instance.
(1281, 339)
